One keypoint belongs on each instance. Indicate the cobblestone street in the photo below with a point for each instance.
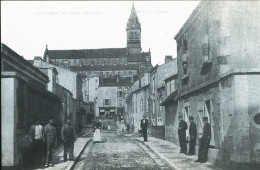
(117, 152)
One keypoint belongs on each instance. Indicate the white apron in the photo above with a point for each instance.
(97, 136)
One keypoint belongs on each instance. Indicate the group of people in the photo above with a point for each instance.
(43, 140)
(204, 141)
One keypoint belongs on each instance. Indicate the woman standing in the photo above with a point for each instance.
(97, 129)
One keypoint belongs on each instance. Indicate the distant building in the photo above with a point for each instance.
(90, 88)
(111, 97)
(125, 62)
(218, 74)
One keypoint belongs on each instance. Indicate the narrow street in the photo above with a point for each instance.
(118, 152)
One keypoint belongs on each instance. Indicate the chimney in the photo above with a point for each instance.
(168, 58)
(37, 61)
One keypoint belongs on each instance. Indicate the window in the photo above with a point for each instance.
(120, 103)
(185, 44)
(147, 104)
(153, 84)
(115, 62)
(142, 105)
(153, 106)
(120, 94)
(161, 107)
(57, 80)
(107, 102)
(172, 85)
(136, 106)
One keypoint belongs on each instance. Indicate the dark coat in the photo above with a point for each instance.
(193, 130)
(206, 132)
(97, 125)
(144, 123)
(68, 132)
(182, 127)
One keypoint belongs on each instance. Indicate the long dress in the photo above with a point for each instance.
(97, 133)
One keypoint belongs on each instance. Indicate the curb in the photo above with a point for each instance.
(77, 158)
(161, 156)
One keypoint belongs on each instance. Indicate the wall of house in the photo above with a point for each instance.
(238, 142)
(171, 115)
(9, 118)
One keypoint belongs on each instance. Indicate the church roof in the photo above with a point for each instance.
(133, 21)
(138, 57)
(87, 53)
(104, 68)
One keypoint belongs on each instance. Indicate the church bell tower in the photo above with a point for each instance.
(133, 30)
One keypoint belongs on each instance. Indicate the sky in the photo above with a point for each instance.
(27, 26)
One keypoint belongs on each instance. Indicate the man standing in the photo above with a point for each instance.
(36, 133)
(193, 136)
(182, 135)
(204, 142)
(144, 126)
(51, 137)
(68, 136)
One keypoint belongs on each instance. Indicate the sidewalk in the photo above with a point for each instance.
(79, 145)
(169, 152)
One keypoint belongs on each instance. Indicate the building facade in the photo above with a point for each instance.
(170, 104)
(158, 94)
(137, 101)
(24, 98)
(111, 97)
(72, 82)
(218, 75)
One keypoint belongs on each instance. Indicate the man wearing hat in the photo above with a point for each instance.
(193, 136)
(144, 126)
(182, 135)
(51, 137)
(204, 142)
